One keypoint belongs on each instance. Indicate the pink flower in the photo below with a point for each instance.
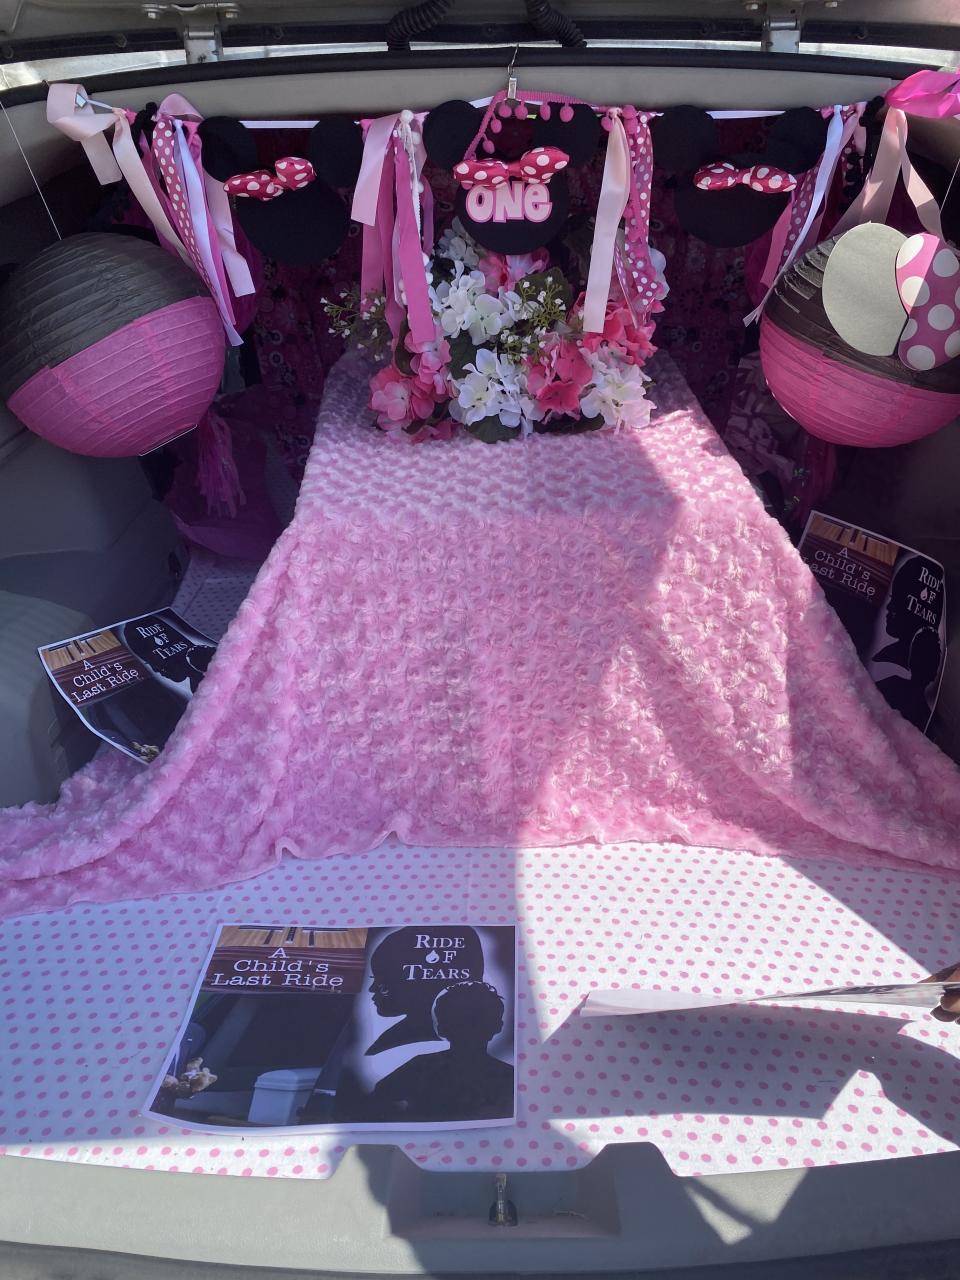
(442, 430)
(559, 397)
(504, 272)
(558, 376)
(398, 400)
(429, 361)
(621, 334)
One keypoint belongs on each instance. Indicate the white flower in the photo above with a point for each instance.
(616, 392)
(494, 387)
(488, 318)
(477, 392)
(457, 245)
(514, 308)
(660, 267)
(454, 301)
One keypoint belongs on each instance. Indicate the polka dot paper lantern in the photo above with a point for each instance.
(109, 345)
(845, 395)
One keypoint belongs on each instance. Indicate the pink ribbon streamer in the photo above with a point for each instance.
(891, 163)
(796, 230)
(69, 110)
(934, 94)
(215, 255)
(795, 237)
(217, 204)
(203, 241)
(614, 193)
(386, 201)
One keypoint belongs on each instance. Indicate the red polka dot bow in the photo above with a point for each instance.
(536, 165)
(759, 177)
(292, 173)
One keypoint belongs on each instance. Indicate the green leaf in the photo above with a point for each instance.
(491, 430)
(401, 356)
(442, 269)
(578, 241)
(462, 353)
(567, 425)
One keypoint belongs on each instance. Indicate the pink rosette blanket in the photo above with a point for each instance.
(600, 636)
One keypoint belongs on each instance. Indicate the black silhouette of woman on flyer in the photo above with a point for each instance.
(409, 968)
(168, 651)
(908, 695)
(462, 1083)
(916, 600)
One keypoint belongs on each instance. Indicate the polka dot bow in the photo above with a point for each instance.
(759, 177)
(536, 165)
(292, 173)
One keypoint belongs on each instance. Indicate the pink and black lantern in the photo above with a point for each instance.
(845, 394)
(109, 346)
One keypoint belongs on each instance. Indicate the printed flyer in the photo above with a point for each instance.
(891, 600)
(388, 1027)
(130, 682)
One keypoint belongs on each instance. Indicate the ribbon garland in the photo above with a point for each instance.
(213, 204)
(396, 211)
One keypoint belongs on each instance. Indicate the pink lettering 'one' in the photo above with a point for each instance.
(537, 206)
(513, 202)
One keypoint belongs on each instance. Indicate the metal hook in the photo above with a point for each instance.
(512, 79)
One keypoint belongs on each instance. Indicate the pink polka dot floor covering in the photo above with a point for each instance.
(91, 998)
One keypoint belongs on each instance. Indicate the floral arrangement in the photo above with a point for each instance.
(509, 356)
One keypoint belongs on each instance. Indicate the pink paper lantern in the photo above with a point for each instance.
(836, 392)
(109, 346)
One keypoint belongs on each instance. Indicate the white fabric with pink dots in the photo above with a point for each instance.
(91, 999)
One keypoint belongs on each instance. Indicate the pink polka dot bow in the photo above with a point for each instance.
(759, 177)
(292, 173)
(536, 165)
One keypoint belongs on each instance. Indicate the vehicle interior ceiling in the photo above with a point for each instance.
(85, 541)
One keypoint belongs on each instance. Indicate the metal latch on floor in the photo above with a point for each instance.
(503, 1212)
(202, 39)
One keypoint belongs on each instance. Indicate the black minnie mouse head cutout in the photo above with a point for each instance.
(292, 213)
(511, 205)
(729, 202)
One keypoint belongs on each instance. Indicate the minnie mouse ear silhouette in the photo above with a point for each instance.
(683, 139)
(449, 129)
(291, 213)
(576, 128)
(885, 292)
(516, 205)
(729, 202)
